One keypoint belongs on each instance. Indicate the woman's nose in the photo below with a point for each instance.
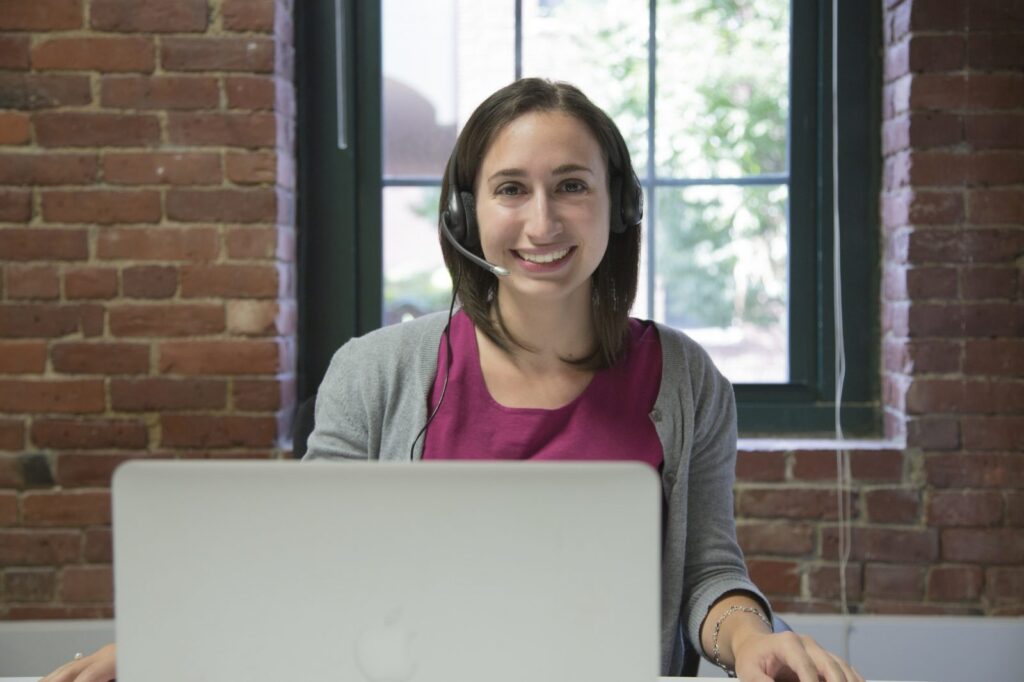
(543, 223)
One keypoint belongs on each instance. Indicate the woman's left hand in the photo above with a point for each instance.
(788, 657)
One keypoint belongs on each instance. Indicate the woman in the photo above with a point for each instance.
(540, 215)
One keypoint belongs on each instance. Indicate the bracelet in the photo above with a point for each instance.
(718, 628)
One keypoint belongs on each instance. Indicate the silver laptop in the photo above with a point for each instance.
(428, 572)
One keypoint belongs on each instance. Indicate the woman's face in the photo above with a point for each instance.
(542, 205)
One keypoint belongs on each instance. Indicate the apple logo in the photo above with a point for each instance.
(384, 651)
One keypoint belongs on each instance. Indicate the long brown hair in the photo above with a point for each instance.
(614, 282)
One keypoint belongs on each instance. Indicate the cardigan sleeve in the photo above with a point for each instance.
(344, 410)
(714, 561)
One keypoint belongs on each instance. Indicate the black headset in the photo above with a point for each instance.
(458, 219)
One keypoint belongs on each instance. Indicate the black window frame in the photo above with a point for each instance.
(340, 278)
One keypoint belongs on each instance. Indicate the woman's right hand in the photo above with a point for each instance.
(99, 666)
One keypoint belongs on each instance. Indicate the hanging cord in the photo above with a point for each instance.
(843, 473)
(447, 334)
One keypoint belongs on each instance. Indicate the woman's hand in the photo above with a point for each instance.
(788, 657)
(99, 666)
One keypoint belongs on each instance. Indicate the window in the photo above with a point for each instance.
(726, 107)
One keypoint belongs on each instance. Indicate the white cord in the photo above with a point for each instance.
(843, 474)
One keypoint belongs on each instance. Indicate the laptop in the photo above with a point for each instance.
(426, 572)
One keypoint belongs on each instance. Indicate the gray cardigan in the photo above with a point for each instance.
(373, 401)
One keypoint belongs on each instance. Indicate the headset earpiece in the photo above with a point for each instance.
(627, 203)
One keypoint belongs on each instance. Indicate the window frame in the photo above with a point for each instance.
(340, 278)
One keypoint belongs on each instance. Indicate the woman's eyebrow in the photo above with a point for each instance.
(560, 170)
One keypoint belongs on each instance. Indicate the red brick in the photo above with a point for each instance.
(995, 91)
(164, 244)
(37, 91)
(41, 15)
(160, 92)
(14, 128)
(1004, 357)
(101, 206)
(931, 282)
(775, 577)
(81, 129)
(823, 581)
(248, 15)
(988, 283)
(954, 583)
(222, 130)
(976, 470)
(935, 208)
(77, 357)
(90, 434)
(932, 433)
(75, 508)
(166, 320)
(29, 585)
(936, 52)
(803, 503)
(162, 168)
(965, 508)
(230, 281)
(928, 129)
(957, 246)
(201, 431)
(22, 357)
(993, 433)
(97, 546)
(15, 205)
(884, 544)
(247, 243)
(775, 538)
(261, 395)
(996, 206)
(10, 467)
(1004, 585)
(38, 548)
(938, 15)
(924, 356)
(38, 168)
(220, 357)
(1014, 507)
(32, 282)
(250, 92)
(937, 169)
(261, 317)
(150, 281)
(993, 319)
(938, 91)
(90, 283)
(88, 584)
(760, 466)
(253, 54)
(49, 320)
(14, 52)
(893, 505)
(996, 168)
(94, 54)
(864, 465)
(985, 546)
(956, 395)
(894, 581)
(251, 168)
(150, 16)
(51, 395)
(995, 51)
(8, 508)
(153, 394)
(91, 470)
(44, 244)
(995, 131)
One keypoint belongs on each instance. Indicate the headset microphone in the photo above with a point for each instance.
(496, 270)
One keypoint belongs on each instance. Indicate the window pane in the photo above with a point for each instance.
(440, 59)
(415, 279)
(721, 275)
(723, 82)
(600, 46)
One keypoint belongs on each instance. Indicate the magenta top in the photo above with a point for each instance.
(609, 420)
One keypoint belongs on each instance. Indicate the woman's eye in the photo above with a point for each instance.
(509, 190)
(573, 186)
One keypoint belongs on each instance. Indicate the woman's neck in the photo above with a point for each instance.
(552, 331)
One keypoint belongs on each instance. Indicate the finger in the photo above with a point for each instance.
(97, 672)
(66, 672)
(827, 665)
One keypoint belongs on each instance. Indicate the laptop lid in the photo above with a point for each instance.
(433, 572)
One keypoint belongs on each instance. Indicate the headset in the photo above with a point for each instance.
(458, 219)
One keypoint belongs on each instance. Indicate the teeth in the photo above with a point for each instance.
(544, 257)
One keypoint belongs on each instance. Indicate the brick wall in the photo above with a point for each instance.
(154, 316)
(146, 240)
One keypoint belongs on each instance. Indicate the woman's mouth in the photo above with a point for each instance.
(544, 258)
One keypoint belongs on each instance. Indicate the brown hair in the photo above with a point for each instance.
(614, 282)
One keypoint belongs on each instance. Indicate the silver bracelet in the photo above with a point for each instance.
(718, 628)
